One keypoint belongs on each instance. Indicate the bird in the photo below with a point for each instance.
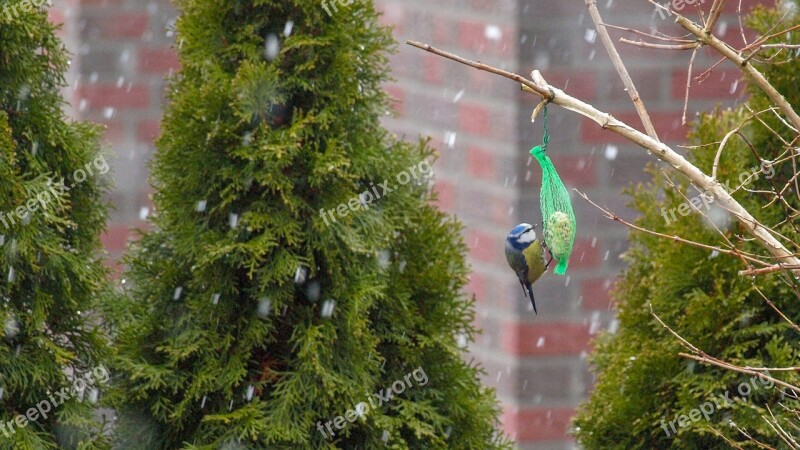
(526, 256)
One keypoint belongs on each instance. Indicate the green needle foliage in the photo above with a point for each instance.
(252, 319)
(49, 243)
(643, 384)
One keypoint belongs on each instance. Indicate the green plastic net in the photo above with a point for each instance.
(557, 215)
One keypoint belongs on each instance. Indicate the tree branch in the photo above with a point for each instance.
(659, 149)
(621, 70)
(752, 73)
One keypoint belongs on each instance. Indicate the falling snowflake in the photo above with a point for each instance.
(327, 308)
(264, 306)
(493, 33)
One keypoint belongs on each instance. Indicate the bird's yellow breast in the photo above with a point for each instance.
(535, 260)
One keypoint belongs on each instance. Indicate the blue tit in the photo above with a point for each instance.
(526, 255)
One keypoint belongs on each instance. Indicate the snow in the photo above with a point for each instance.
(271, 47)
(590, 35)
(493, 33)
(327, 308)
(611, 152)
(263, 308)
(300, 275)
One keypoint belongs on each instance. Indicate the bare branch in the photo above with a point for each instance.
(689, 86)
(752, 73)
(614, 217)
(706, 359)
(622, 71)
(659, 149)
(651, 35)
(776, 309)
(643, 44)
(769, 269)
(713, 16)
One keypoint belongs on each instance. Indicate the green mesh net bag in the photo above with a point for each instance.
(557, 215)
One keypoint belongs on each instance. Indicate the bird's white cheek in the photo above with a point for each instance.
(527, 238)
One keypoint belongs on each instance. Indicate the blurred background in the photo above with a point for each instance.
(480, 123)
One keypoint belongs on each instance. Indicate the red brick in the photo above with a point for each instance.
(433, 68)
(582, 85)
(537, 424)
(480, 163)
(733, 36)
(107, 96)
(575, 171)
(474, 118)
(747, 5)
(147, 131)
(115, 238)
(158, 61)
(124, 25)
(596, 294)
(398, 98)
(392, 14)
(483, 246)
(56, 16)
(114, 131)
(443, 34)
(477, 286)
(545, 339)
(446, 195)
(471, 35)
(716, 85)
(584, 256)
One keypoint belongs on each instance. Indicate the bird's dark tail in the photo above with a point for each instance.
(529, 288)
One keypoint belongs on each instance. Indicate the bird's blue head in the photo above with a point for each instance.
(521, 236)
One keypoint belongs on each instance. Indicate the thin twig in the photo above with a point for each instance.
(650, 35)
(775, 308)
(706, 359)
(688, 87)
(616, 218)
(713, 16)
(643, 44)
(769, 269)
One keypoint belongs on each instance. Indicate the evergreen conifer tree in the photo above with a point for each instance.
(296, 270)
(648, 397)
(51, 213)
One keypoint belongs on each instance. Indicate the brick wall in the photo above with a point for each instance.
(481, 126)
(123, 50)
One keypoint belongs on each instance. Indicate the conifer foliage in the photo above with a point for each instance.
(51, 214)
(253, 319)
(647, 396)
